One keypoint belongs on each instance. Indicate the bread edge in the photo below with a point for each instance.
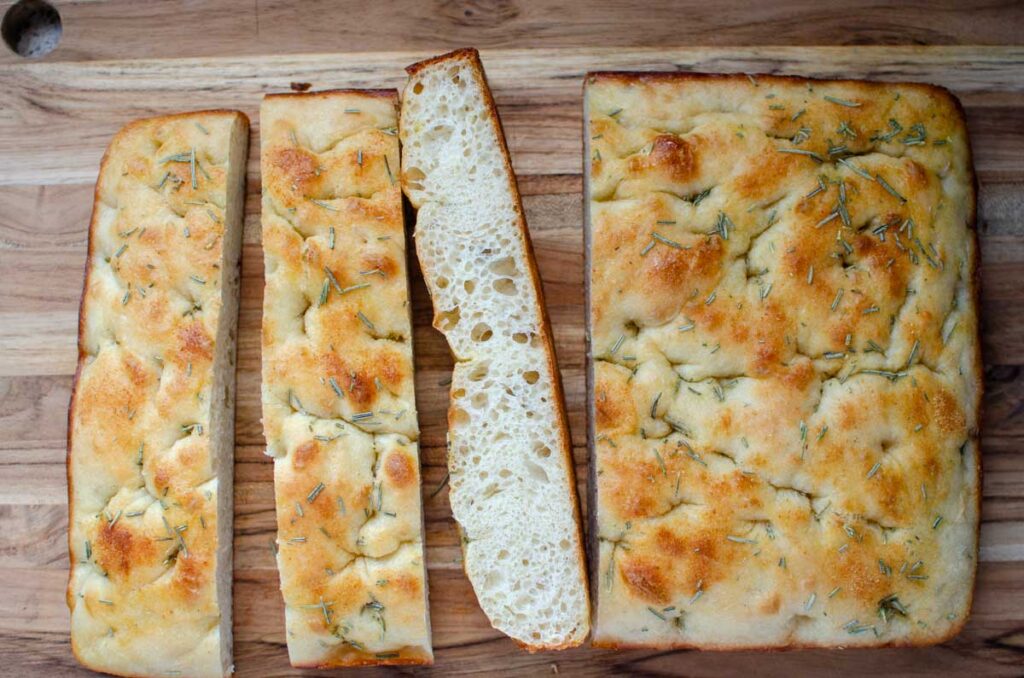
(977, 373)
(80, 361)
(383, 93)
(472, 55)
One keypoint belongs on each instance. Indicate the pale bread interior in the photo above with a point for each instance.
(511, 481)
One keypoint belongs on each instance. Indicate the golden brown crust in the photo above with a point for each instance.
(338, 400)
(109, 541)
(787, 428)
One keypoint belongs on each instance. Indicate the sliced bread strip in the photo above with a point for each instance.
(339, 408)
(512, 487)
(151, 423)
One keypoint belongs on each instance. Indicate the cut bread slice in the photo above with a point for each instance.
(339, 408)
(151, 422)
(512, 487)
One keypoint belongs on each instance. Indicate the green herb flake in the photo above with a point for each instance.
(314, 493)
(888, 187)
(799, 151)
(666, 241)
(325, 205)
(841, 102)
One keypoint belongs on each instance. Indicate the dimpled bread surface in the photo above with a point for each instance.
(785, 361)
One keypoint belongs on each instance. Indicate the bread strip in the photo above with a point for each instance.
(151, 422)
(785, 361)
(339, 408)
(512, 487)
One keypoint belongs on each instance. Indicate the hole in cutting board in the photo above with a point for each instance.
(31, 28)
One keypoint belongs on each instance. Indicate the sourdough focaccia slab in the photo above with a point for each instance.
(339, 409)
(150, 430)
(785, 372)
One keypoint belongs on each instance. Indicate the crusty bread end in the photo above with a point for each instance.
(512, 486)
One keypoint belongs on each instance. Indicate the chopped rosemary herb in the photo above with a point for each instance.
(330, 238)
(618, 344)
(799, 151)
(917, 135)
(891, 376)
(913, 352)
(839, 296)
(326, 205)
(177, 157)
(889, 605)
(661, 463)
(314, 493)
(723, 225)
(892, 191)
(841, 102)
(335, 387)
(741, 540)
(831, 215)
(854, 168)
(665, 241)
(822, 186)
(894, 129)
(366, 321)
(697, 199)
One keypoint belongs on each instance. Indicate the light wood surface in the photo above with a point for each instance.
(57, 115)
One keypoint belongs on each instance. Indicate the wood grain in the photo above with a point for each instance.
(155, 29)
(57, 115)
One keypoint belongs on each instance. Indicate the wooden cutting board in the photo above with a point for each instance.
(56, 118)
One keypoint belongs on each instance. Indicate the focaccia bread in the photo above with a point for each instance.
(339, 409)
(512, 487)
(151, 422)
(785, 361)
